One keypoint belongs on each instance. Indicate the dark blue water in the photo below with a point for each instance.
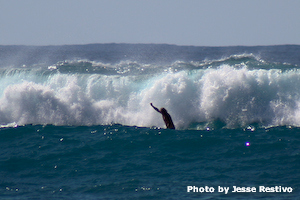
(123, 162)
(76, 122)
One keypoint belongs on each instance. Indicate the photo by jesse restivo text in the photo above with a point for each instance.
(237, 189)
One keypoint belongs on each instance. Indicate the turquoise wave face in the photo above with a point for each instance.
(237, 91)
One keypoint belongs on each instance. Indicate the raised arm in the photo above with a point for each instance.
(155, 108)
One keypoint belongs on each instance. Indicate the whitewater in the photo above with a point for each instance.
(84, 92)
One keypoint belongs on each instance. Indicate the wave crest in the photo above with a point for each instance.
(192, 93)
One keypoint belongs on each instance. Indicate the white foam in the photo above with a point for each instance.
(236, 96)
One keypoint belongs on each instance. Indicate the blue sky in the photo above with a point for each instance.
(181, 22)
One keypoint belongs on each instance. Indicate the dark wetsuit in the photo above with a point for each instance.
(166, 117)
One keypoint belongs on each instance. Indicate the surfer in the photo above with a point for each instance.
(166, 117)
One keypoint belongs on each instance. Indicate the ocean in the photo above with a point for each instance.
(76, 122)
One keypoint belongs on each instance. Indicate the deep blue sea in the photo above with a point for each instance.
(76, 122)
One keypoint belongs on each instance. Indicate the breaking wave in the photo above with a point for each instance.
(236, 91)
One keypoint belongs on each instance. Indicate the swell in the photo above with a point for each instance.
(233, 92)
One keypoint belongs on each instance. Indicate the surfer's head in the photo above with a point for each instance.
(163, 111)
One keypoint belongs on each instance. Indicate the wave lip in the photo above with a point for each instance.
(129, 67)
